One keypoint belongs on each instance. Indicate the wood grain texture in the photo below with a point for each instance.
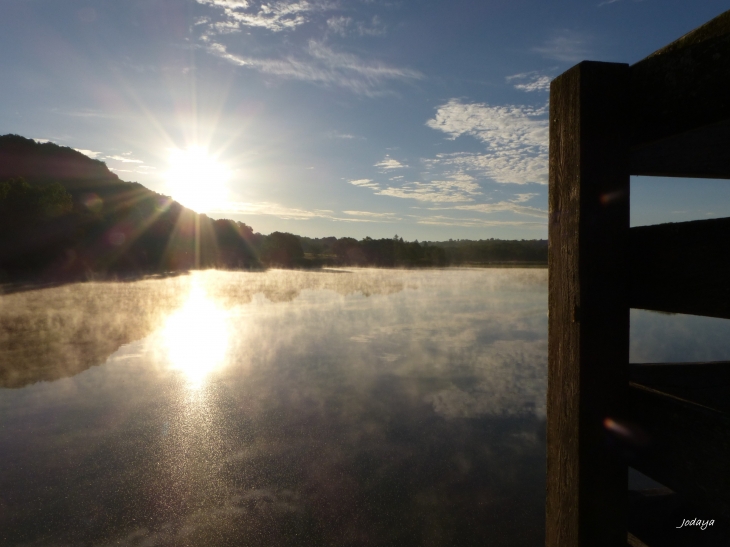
(714, 28)
(681, 444)
(682, 86)
(703, 153)
(588, 305)
(681, 267)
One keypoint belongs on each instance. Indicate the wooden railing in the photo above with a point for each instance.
(667, 115)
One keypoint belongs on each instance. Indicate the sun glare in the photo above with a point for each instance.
(196, 337)
(197, 180)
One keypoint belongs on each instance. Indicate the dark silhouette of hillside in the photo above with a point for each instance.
(65, 216)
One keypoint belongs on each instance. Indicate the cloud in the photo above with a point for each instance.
(273, 209)
(566, 46)
(344, 136)
(84, 113)
(365, 183)
(375, 28)
(521, 198)
(283, 212)
(346, 25)
(272, 16)
(516, 139)
(123, 158)
(502, 206)
(339, 24)
(322, 65)
(390, 163)
(281, 16)
(382, 216)
(315, 62)
(474, 222)
(89, 153)
(226, 4)
(530, 81)
(461, 187)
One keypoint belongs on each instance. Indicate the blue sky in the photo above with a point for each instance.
(333, 117)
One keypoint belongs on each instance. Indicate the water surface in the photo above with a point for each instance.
(348, 407)
(359, 407)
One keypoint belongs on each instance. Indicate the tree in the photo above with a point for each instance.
(281, 249)
(22, 205)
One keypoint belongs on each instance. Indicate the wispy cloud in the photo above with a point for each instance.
(521, 198)
(375, 27)
(389, 163)
(343, 136)
(281, 16)
(322, 65)
(530, 81)
(84, 113)
(344, 26)
(458, 188)
(90, 153)
(339, 24)
(293, 213)
(273, 16)
(124, 159)
(566, 45)
(272, 209)
(316, 62)
(500, 207)
(516, 138)
(474, 222)
(365, 183)
(368, 214)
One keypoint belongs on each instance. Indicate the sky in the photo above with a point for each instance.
(422, 118)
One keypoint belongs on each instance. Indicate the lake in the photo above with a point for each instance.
(338, 407)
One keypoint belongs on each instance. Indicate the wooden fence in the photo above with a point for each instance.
(667, 115)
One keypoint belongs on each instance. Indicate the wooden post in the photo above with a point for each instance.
(588, 305)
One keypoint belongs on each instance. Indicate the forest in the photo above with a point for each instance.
(64, 215)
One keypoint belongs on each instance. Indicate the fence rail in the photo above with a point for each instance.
(666, 115)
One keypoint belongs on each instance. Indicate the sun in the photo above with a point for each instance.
(196, 179)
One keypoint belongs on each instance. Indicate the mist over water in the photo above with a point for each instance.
(355, 407)
(345, 407)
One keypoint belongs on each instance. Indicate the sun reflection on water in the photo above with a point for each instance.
(196, 337)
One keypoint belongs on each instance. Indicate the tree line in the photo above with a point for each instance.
(395, 252)
(64, 215)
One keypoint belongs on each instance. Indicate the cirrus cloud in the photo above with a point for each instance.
(273, 16)
(322, 65)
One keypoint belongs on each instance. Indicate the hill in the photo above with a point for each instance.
(65, 215)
